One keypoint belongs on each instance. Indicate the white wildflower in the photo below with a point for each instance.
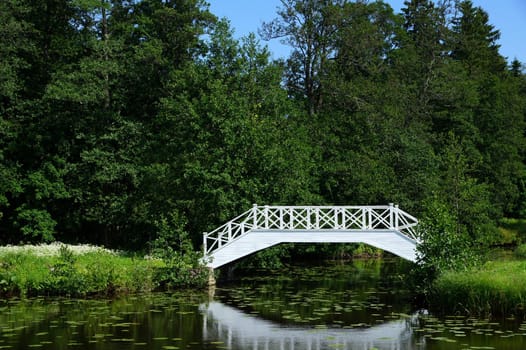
(53, 249)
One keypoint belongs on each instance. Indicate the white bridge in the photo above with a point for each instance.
(383, 226)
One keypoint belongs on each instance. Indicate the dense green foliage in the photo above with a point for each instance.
(123, 121)
(445, 246)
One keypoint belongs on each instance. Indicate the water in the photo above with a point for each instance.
(361, 305)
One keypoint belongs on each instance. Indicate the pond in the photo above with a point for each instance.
(363, 304)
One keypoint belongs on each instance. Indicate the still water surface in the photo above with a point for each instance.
(358, 305)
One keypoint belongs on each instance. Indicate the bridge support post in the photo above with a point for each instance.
(396, 217)
(255, 215)
(391, 216)
(211, 277)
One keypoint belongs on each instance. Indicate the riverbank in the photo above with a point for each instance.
(497, 288)
(58, 269)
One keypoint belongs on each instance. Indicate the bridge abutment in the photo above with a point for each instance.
(211, 277)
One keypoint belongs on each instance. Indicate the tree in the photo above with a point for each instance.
(499, 111)
(425, 47)
(373, 149)
(35, 33)
(305, 25)
(475, 41)
(465, 196)
(14, 45)
(88, 83)
(226, 141)
(350, 127)
(160, 37)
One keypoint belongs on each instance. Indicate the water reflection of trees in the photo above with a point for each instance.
(62, 323)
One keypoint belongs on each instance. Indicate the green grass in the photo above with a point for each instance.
(28, 273)
(496, 288)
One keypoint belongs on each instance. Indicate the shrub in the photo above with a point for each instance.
(64, 276)
(23, 274)
(444, 246)
(183, 266)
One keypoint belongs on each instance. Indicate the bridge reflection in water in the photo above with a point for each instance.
(238, 330)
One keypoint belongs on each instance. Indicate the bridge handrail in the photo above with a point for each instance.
(217, 236)
(406, 225)
(363, 218)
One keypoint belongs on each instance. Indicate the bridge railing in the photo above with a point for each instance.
(318, 218)
(227, 232)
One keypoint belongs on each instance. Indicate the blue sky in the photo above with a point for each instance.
(508, 16)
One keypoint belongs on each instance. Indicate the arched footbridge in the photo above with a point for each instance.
(383, 226)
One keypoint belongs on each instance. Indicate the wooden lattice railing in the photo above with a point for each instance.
(314, 218)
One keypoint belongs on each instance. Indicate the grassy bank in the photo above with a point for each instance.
(85, 270)
(497, 288)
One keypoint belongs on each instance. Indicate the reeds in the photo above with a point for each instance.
(495, 288)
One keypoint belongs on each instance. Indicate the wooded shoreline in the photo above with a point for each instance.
(139, 125)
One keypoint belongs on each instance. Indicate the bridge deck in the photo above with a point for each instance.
(384, 227)
(391, 241)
